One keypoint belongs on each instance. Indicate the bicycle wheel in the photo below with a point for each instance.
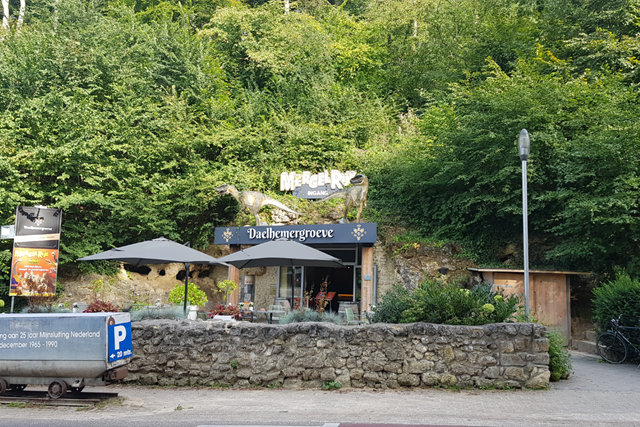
(611, 347)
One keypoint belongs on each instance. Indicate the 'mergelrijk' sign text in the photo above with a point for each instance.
(314, 186)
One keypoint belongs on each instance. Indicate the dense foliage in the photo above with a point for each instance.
(392, 304)
(560, 365)
(449, 304)
(128, 115)
(616, 297)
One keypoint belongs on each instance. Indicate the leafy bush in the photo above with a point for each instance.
(559, 358)
(100, 307)
(300, 316)
(5, 267)
(619, 296)
(226, 287)
(158, 313)
(141, 298)
(435, 302)
(195, 296)
(392, 305)
(226, 310)
(103, 267)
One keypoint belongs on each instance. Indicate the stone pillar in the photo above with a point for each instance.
(234, 276)
(367, 285)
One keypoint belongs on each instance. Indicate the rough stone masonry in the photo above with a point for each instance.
(309, 355)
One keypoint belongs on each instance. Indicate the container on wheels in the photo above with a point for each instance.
(65, 351)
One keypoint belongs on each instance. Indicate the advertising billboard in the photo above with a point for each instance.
(34, 268)
(34, 272)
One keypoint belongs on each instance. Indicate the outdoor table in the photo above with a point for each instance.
(270, 314)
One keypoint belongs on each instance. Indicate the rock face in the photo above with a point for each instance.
(306, 355)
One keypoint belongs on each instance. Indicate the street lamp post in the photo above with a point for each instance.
(524, 146)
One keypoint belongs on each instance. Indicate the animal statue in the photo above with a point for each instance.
(356, 196)
(252, 201)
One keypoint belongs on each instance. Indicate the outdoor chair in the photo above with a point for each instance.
(277, 308)
(284, 303)
(352, 319)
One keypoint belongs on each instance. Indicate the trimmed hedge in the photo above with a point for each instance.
(619, 296)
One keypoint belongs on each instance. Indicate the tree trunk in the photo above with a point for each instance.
(5, 14)
(415, 23)
(23, 7)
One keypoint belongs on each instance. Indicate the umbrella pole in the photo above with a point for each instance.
(186, 286)
(293, 288)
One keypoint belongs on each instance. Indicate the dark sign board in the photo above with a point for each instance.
(37, 227)
(315, 234)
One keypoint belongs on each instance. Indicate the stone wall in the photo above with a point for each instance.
(306, 355)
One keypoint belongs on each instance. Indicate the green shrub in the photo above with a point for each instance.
(559, 358)
(298, 316)
(450, 304)
(175, 312)
(52, 308)
(331, 385)
(195, 296)
(103, 267)
(392, 305)
(619, 296)
(5, 267)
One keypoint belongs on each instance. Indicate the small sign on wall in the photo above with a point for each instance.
(7, 232)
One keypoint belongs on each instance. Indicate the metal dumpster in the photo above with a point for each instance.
(66, 351)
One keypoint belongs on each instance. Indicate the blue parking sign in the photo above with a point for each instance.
(120, 343)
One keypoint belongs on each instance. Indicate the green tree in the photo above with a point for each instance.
(582, 171)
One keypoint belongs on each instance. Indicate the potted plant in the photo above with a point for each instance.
(195, 296)
(226, 287)
(225, 312)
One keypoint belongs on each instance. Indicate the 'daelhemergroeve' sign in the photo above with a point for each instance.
(363, 233)
(34, 266)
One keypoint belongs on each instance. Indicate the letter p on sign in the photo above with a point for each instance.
(120, 334)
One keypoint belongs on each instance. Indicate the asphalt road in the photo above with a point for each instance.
(597, 394)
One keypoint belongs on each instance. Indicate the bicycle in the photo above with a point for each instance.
(612, 345)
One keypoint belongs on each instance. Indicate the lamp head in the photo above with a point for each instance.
(524, 144)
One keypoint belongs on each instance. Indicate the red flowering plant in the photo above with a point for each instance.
(100, 307)
(226, 310)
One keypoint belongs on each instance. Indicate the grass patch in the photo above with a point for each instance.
(114, 401)
(17, 405)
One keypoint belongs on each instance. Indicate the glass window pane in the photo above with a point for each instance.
(290, 279)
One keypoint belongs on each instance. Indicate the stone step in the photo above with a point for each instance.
(585, 346)
(591, 336)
